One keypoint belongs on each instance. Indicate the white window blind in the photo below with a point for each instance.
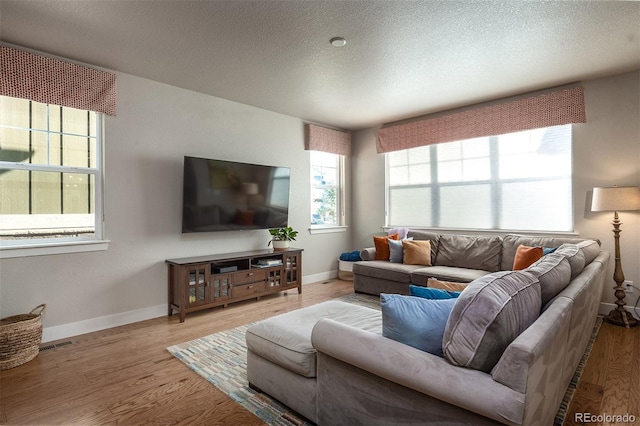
(516, 181)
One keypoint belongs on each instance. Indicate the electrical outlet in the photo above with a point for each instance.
(628, 286)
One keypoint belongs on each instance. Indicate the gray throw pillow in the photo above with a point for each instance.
(395, 251)
(489, 314)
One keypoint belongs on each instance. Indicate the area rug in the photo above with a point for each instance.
(221, 358)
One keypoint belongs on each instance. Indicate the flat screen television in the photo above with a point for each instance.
(221, 195)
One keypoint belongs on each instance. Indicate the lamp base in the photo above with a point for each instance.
(622, 318)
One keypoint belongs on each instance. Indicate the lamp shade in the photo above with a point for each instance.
(616, 198)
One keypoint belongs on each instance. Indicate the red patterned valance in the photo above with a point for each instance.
(327, 140)
(549, 109)
(42, 79)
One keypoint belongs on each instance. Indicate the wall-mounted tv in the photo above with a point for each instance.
(221, 195)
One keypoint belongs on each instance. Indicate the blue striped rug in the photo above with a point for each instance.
(221, 358)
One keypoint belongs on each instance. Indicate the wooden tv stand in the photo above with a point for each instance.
(202, 282)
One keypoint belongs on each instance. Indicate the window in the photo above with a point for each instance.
(326, 189)
(516, 181)
(50, 173)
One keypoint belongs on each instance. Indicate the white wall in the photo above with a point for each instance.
(606, 152)
(155, 127)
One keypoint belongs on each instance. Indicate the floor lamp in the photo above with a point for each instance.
(617, 199)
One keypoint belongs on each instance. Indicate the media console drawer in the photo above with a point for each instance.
(250, 276)
(248, 289)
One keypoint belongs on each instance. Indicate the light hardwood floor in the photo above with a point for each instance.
(125, 375)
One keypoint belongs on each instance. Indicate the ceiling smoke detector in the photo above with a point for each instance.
(338, 41)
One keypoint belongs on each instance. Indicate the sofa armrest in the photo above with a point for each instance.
(368, 253)
(417, 370)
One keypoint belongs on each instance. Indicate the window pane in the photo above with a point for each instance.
(76, 121)
(46, 192)
(411, 167)
(76, 151)
(77, 193)
(535, 205)
(324, 207)
(14, 112)
(410, 206)
(464, 161)
(14, 145)
(465, 207)
(61, 204)
(14, 192)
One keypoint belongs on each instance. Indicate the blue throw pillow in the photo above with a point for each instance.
(432, 293)
(547, 250)
(415, 321)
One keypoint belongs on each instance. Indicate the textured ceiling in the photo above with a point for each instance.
(402, 58)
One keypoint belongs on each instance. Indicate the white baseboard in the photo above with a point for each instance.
(64, 331)
(308, 279)
(605, 308)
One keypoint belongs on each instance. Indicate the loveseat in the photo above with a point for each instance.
(365, 378)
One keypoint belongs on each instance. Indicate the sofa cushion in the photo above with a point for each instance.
(526, 256)
(382, 246)
(446, 273)
(285, 339)
(385, 270)
(415, 321)
(554, 273)
(416, 252)
(473, 252)
(488, 315)
(432, 293)
(575, 257)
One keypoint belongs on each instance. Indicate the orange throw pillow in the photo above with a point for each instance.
(526, 256)
(416, 252)
(382, 246)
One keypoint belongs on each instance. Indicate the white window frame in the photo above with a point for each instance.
(47, 246)
(494, 180)
(340, 226)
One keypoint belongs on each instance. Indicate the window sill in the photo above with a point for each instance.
(46, 248)
(328, 229)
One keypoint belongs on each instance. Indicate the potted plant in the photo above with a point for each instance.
(281, 237)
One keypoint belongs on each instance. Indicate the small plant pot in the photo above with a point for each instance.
(280, 245)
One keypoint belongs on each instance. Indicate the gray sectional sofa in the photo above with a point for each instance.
(365, 378)
(331, 363)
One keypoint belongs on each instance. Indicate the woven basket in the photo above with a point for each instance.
(20, 337)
